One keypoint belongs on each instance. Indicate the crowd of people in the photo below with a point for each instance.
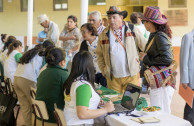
(111, 52)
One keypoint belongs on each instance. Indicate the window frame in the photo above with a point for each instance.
(21, 6)
(59, 9)
(170, 5)
(1, 9)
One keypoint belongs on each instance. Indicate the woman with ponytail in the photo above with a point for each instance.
(50, 83)
(26, 77)
(4, 38)
(13, 58)
(46, 44)
(4, 50)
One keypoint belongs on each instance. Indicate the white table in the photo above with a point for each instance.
(165, 120)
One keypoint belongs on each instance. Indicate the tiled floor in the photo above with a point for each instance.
(177, 105)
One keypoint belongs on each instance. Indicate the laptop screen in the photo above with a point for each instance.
(130, 96)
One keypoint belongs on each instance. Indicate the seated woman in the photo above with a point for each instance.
(81, 99)
(13, 58)
(50, 83)
(70, 38)
(46, 44)
(26, 77)
(90, 36)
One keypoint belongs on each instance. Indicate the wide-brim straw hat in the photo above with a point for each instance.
(116, 10)
(154, 15)
(42, 18)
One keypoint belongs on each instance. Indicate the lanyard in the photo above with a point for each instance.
(119, 40)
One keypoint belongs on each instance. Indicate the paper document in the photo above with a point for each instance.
(146, 120)
(187, 94)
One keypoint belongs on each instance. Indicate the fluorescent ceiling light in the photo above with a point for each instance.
(101, 3)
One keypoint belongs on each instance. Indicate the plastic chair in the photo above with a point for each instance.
(40, 110)
(59, 117)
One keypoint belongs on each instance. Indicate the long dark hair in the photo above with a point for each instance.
(83, 67)
(30, 54)
(13, 46)
(10, 39)
(164, 28)
(46, 44)
(3, 36)
(55, 56)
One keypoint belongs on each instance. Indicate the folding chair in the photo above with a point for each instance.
(33, 92)
(59, 117)
(40, 110)
(11, 90)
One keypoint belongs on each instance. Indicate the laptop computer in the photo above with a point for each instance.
(129, 99)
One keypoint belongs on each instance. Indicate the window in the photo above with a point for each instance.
(177, 3)
(24, 5)
(1, 5)
(60, 4)
(97, 2)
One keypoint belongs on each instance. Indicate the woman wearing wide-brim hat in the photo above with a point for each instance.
(158, 53)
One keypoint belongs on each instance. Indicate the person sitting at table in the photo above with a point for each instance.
(81, 99)
(90, 36)
(50, 83)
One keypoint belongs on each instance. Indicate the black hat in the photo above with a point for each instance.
(115, 10)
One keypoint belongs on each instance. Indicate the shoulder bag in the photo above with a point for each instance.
(160, 76)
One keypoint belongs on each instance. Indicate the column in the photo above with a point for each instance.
(30, 23)
(84, 11)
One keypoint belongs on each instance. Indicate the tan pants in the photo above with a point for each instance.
(22, 88)
(119, 84)
(39, 122)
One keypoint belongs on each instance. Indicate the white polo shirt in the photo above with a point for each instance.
(118, 57)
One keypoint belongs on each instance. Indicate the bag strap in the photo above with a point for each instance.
(8, 87)
(118, 40)
(150, 44)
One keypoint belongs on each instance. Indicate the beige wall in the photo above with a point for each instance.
(13, 21)
(180, 30)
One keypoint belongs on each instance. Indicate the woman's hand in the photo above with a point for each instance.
(101, 103)
(72, 37)
(109, 107)
(142, 54)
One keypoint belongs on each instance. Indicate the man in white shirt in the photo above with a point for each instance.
(116, 51)
(95, 19)
(53, 30)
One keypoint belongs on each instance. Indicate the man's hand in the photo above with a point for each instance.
(142, 54)
(41, 39)
(185, 85)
